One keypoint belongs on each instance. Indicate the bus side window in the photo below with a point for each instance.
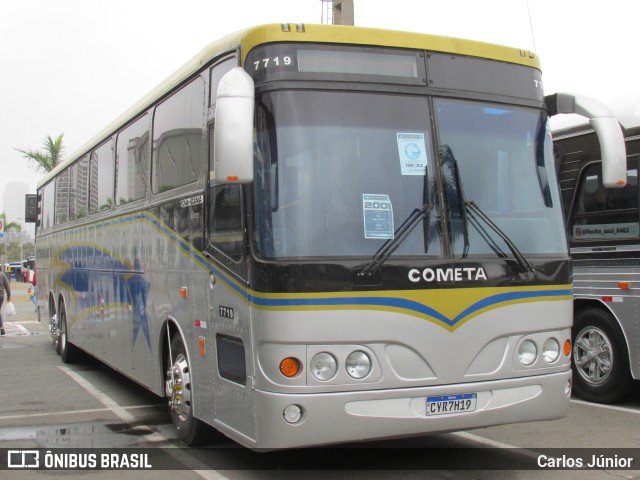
(600, 209)
(177, 138)
(225, 220)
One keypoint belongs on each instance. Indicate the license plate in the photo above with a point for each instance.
(448, 404)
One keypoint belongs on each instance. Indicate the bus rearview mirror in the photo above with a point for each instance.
(233, 132)
(607, 128)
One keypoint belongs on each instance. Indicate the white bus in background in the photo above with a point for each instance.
(604, 235)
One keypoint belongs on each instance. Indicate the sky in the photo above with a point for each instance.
(72, 66)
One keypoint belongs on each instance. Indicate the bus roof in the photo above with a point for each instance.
(274, 33)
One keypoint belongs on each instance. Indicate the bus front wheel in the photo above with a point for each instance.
(600, 360)
(190, 430)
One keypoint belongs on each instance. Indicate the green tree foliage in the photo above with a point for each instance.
(49, 157)
(10, 226)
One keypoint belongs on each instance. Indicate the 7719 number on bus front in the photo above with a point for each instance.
(448, 404)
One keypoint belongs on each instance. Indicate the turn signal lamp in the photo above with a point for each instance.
(623, 285)
(567, 348)
(232, 178)
(290, 367)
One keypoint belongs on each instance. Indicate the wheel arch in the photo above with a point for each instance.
(61, 303)
(581, 304)
(170, 328)
(52, 304)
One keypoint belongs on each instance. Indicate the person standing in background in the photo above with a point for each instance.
(4, 287)
(33, 291)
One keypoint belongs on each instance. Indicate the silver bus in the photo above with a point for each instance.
(319, 234)
(605, 243)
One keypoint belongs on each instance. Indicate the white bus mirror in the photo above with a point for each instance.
(607, 128)
(233, 132)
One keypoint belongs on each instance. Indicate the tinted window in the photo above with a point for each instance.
(48, 204)
(79, 189)
(177, 138)
(62, 198)
(600, 213)
(101, 180)
(132, 158)
(225, 231)
(217, 73)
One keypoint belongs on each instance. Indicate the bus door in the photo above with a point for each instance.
(233, 368)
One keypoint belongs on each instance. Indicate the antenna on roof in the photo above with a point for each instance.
(533, 36)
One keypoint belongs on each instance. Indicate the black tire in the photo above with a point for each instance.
(52, 321)
(68, 352)
(600, 363)
(190, 430)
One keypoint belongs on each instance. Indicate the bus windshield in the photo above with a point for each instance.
(500, 160)
(338, 175)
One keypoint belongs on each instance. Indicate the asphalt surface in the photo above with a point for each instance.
(46, 404)
(25, 321)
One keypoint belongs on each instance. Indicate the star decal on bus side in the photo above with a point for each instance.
(86, 266)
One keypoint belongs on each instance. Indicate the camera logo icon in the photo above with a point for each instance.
(23, 459)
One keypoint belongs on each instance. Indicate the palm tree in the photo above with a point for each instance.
(48, 158)
(16, 227)
(11, 225)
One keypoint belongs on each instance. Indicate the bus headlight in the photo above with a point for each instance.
(551, 350)
(323, 366)
(527, 353)
(358, 365)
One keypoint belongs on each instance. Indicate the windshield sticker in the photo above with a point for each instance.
(413, 153)
(611, 230)
(378, 216)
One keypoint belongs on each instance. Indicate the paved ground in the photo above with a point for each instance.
(25, 321)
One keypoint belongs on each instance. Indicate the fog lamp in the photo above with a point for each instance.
(292, 413)
(551, 350)
(323, 366)
(527, 353)
(358, 364)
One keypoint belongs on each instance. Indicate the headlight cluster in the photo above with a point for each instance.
(528, 351)
(324, 366)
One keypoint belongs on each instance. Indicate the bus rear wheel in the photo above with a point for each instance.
(68, 352)
(190, 430)
(600, 361)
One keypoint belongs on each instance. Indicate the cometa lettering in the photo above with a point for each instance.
(459, 274)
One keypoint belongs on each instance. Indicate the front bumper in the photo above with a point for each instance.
(372, 415)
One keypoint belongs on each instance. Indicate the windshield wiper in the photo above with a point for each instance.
(474, 209)
(399, 236)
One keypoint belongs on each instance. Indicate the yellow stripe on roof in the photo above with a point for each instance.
(273, 33)
(385, 38)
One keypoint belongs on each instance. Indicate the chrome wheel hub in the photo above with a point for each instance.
(178, 388)
(593, 355)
